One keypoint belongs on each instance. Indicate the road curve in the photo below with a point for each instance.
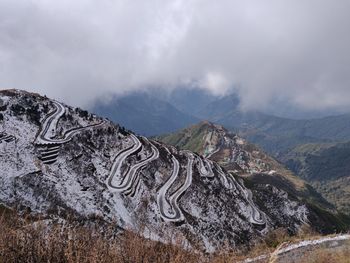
(256, 217)
(175, 214)
(133, 173)
(48, 128)
(223, 177)
(119, 159)
(212, 153)
(205, 170)
(163, 205)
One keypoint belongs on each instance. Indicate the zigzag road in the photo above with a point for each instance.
(118, 162)
(48, 131)
(175, 213)
(163, 204)
(205, 170)
(256, 217)
(48, 128)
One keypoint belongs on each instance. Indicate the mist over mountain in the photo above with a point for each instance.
(174, 131)
(265, 52)
(144, 114)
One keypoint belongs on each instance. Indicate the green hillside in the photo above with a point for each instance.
(327, 167)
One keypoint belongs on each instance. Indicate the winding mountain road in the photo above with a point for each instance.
(256, 216)
(170, 210)
(163, 205)
(129, 183)
(205, 170)
(48, 131)
(118, 162)
(49, 126)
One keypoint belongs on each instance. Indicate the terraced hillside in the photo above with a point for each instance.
(64, 161)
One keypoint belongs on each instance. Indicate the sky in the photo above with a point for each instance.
(268, 52)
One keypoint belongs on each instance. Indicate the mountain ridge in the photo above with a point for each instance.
(237, 155)
(65, 160)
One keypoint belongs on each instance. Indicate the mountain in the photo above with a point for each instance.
(316, 150)
(144, 114)
(326, 166)
(223, 146)
(237, 155)
(158, 112)
(64, 162)
(275, 134)
(189, 100)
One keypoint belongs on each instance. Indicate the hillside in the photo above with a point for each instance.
(240, 157)
(326, 166)
(65, 162)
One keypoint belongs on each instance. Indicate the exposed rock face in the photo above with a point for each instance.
(62, 160)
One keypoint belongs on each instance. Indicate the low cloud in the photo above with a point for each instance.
(77, 51)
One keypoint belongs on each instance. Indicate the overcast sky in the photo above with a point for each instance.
(287, 50)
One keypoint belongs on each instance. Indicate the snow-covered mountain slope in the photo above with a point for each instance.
(240, 157)
(63, 161)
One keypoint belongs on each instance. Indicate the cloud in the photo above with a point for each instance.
(294, 51)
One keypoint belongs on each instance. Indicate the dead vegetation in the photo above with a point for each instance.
(23, 239)
(324, 255)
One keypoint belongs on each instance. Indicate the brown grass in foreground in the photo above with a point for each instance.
(23, 241)
(33, 241)
(324, 255)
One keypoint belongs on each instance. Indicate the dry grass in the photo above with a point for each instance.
(22, 240)
(32, 241)
(324, 255)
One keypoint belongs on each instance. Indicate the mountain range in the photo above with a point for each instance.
(237, 155)
(61, 162)
(181, 108)
(287, 140)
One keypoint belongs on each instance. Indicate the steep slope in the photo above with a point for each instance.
(62, 161)
(327, 167)
(240, 157)
(144, 114)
